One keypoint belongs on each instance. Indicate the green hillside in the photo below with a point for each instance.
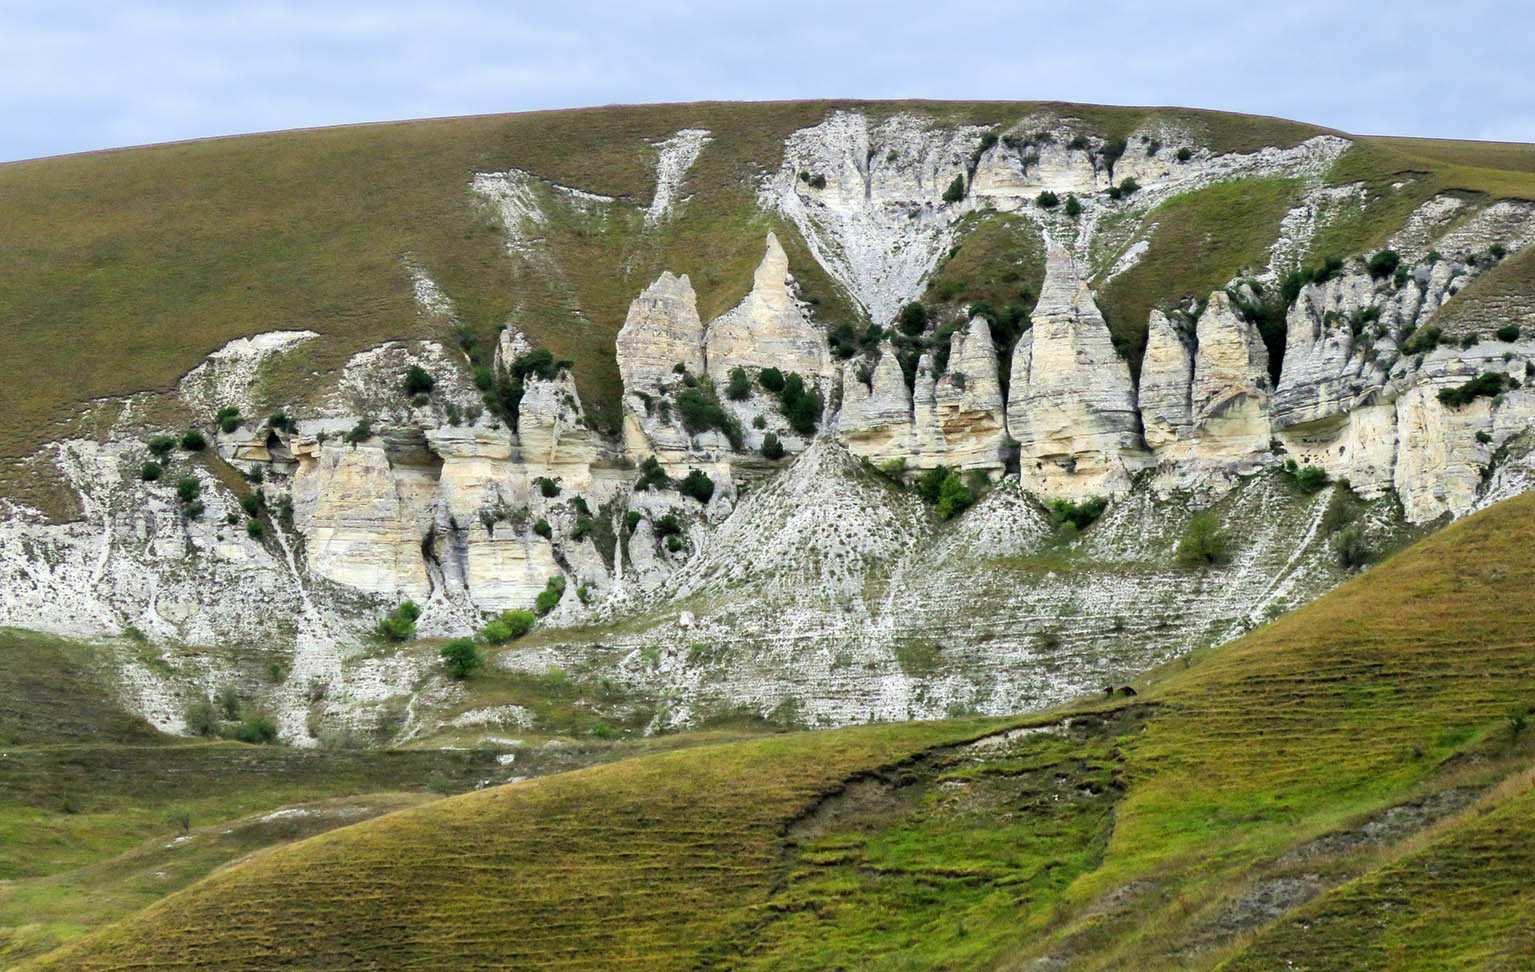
(132, 265)
(1341, 760)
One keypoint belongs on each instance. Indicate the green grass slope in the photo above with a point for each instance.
(1303, 762)
(133, 264)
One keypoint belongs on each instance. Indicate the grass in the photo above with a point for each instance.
(136, 263)
(55, 691)
(1115, 837)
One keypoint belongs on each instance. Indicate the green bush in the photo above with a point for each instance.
(255, 529)
(550, 595)
(1308, 479)
(800, 406)
(194, 441)
(740, 386)
(956, 190)
(543, 529)
(400, 624)
(418, 381)
(1047, 200)
(150, 471)
(1352, 549)
(1486, 384)
(1073, 206)
(188, 489)
(202, 719)
(227, 419)
(771, 447)
(257, 730)
(912, 320)
(194, 509)
(632, 519)
(1384, 263)
(1077, 516)
(510, 625)
(361, 432)
(1204, 543)
(697, 485)
(954, 497)
(652, 476)
(673, 543)
(251, 504)
(1508, 332)
(604, 731)
(161, 445)
(1422, 340)
(584, 526)
(1483, 436)
(667, 526)
(548, 487)
(460, 657)
(771, 379)
(1185, 153)
(1129, 187)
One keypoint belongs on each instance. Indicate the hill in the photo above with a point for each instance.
(1320, 763)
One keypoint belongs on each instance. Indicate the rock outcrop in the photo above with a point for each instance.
(1071, 407)
(1167, 377)
(768, 329)
(876, 421)
(969, 401)
(1229, 400)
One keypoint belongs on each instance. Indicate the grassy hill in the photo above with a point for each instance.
(1363, 759)
(132, 265)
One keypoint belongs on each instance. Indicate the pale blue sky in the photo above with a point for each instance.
(76, 76)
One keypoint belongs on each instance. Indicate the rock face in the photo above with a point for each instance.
(362, 519)
(876, 421)
(1229, 400)
(969, 401)
(1071, 407)
(661, 331)
(552, 430)
(767, 329)
(1167, 376)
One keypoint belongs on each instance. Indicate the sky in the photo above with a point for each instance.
(78, 76)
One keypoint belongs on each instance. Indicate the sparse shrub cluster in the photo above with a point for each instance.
(509, 626)
(1486, 385)
(1047, 200)
(550, 595)
(1508, 333)
(652, 476)
(227, 419)
(1308, 479)
(1290, 286)
(1204, 542)
(1351, 547)
(1070, 517)
(700, 410)
(503, 393)
(944, 490)
(698, 485)
(1422, 340)
(460, 657)
(418, 381)
(1384, 263)
(400, 624)
(772, 448)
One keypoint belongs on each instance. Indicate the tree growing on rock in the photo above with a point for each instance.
(461, 657)
(1204, 543)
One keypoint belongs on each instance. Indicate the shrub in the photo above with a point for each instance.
(1185, 153)
(400, 624)
(800, 406)
(771, 379)
(257, 730)
(604, 731)
(194, 441)
(188, 489)
(1484, 385)
(543, 529)
(251, 504)
(771, 447)
(1352, 549)
(150, 471)
(548, 487)
(913, 319)
(194, 510)
(673, 543)
(1421, 340)
(255, 529)
(760, 422)
(818, 181)
(201, 719)
(1129, 187)
(697, 485)
(418, 381)
(1073, 206)
(227, 419)
(667, 526)
(361, 432)
(1078, 143)
(1508, 332)
(1110, 152)
(460, 657)
(1384, 263)
(1077, 516)
(956, 190)
(578, 503)
(632, 519)
(161, 445)
(510, 625)
(740, 386)
(1204, 542)
(953, 497)
(550, 595)
(652, 476)
(1483, 436)
(702, 411)
(584, 525)
(1308, 479)
(1047, 199)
